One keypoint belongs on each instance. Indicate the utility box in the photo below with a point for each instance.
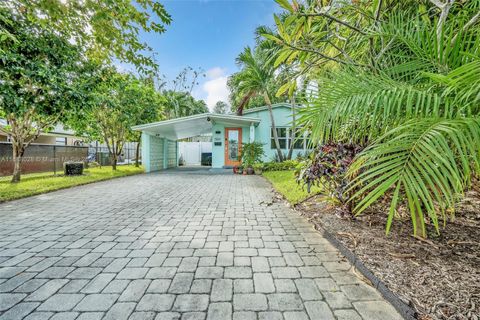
(73, 168)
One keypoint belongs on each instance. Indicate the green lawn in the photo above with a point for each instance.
(37, 183)
(284, 182)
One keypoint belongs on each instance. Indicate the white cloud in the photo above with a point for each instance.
(215, 72)
(215, 87)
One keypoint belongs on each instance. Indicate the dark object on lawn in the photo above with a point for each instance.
(73, 168)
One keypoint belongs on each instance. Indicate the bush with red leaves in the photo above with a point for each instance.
(327, 167)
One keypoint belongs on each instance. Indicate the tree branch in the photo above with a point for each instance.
(444, 9)
(315, 52)
(470, 23)
(346, 24)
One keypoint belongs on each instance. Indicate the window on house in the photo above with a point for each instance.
(301, 140)
(61, 141)
(282, 138)
(298, 139)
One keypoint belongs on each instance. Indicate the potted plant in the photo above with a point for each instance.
(251, 153)
(258, 168)
(240, 170)
(235, 169)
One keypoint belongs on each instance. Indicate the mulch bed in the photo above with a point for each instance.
(439, 276)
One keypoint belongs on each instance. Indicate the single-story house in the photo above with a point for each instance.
(57, 136)
(228, 132)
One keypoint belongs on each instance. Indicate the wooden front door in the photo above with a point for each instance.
(233, 146)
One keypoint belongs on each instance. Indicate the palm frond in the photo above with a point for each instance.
(358, 107)
(426, 163)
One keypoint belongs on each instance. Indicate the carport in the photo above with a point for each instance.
(160, 139)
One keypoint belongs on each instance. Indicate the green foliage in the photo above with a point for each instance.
(38, 183)
(116, 103)
(39, 72)
(182, 104)
(221, 107)
(284, 183)
(401, 79)
(251, 153)
(255, 78)
(281, 166)
(249, 86)
(107, 30)
(179, 99)
(258, 166)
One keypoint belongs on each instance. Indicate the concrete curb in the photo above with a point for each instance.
(407, 312)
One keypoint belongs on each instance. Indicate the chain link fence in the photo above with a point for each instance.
(101, 155)
(41, 158)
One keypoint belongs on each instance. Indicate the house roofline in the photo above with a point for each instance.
(275, 105)
(212, 116)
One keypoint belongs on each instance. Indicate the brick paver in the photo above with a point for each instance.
(173, 246)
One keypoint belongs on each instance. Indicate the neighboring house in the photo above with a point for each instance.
(160, 139)
(58, 136)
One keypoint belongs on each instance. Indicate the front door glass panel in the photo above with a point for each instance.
(233, 153)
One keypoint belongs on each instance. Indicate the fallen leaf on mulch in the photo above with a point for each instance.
(438, 276)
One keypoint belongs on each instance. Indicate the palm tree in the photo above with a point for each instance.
(254, 79)
(416, 110)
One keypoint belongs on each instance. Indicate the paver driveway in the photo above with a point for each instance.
(172, 246)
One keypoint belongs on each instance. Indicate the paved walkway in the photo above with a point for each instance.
(172, 246)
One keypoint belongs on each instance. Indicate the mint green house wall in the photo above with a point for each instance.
(218, 135)
(158, 153)
(283, 118)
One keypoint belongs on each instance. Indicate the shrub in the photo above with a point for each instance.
(280, 166)
(251, 153)
(327, 166)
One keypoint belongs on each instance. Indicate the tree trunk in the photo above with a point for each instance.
(17, 162)
(114, 161)
(113, 155)
(243, 103)
(274, 128)
(294, 129)
(137, 153)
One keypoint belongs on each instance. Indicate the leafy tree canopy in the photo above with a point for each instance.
(399, 78)
(40, 76)
(221, 107)
(107, 30)
(116, 103)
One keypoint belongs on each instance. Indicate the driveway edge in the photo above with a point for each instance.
(407, 312)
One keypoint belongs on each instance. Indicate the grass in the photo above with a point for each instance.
(284, 182)
(38, 183)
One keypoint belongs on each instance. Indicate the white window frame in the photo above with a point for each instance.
(288, 139)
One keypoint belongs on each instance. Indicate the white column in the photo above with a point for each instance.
(252, 132)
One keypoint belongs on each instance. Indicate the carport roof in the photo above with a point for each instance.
(195, 125)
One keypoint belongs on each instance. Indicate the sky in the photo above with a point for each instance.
(208, 34)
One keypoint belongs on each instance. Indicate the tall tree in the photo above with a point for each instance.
(40, 43)
(178, 94)
(402, 81)
(39, 72)
(149, 106)
(116, 103)
(254, 79)
(106, 30)
(221, 107)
